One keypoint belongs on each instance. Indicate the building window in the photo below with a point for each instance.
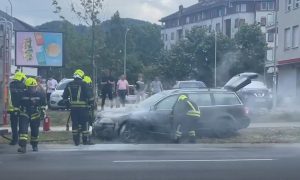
(296, 4)
(264, 6)
(243, 8)
(172, 36)
(263, 21)
(295, 37)
(166, 38)
(218, 27)
(287, 38)
(236, 23)
(187, 20)
(271, 6)
(270, 37)
(238, 8)
(239, 22)
(288, 5)
(220, 12)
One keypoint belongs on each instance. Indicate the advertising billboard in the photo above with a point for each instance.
(39, 49)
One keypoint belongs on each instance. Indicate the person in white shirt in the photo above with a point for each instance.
(51, 85)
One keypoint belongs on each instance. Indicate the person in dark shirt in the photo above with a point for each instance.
(107, 84)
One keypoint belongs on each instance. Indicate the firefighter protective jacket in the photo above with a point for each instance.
(78, 93)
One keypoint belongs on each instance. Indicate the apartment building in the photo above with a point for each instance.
(224, 16)
(288, 51)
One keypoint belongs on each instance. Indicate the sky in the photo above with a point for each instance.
(36, 12)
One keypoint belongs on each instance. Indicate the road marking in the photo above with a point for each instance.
(191, 160)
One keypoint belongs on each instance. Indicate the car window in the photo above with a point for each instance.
(62, 86)
(226, 99)
(167, 103)
(191, 85)
(202, 99)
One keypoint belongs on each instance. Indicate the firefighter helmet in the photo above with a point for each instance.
(182, 97)
(78, 74)
(30, 82)
(87, 79)
(19, 76)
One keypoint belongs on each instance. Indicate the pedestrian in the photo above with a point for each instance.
(51, 85)
(16, 90)
(78, 97)
(186, 114)
(156, 86)
(107, 84)
(140, 88)
(123, 89)
(32, 105)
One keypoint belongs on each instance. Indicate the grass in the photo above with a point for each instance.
(58, 118)
(253, 135)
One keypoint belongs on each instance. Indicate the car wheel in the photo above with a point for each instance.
(224, 127)
(129, 133)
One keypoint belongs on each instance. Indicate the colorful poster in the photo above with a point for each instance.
(37, 49)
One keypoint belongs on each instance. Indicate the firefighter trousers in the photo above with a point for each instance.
(80, 123)
(23, 129)
(25, 122)
(186, 126)
(14, 123)
(34, 130)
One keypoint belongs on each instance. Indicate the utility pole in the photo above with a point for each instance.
(125, 51)
(275, 57)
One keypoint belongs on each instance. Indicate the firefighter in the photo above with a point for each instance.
(33, 103)
(16, 88)
(186, 114)
(79, 98)
(88, 81)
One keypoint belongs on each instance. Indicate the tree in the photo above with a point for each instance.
(252, 48)
(89, 14)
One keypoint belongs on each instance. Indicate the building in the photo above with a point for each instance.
(288, 51)
(224, 16)
(18, 25)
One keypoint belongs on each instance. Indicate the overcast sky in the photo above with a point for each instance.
(36, 12)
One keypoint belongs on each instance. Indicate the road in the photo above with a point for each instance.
(153, 162)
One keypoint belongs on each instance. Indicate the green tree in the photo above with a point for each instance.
(251, 43)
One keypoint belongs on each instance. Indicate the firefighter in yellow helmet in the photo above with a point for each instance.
(186, 114)
(16, 90)
(79, 98)
(33, 103)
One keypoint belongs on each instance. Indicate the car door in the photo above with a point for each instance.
(239, 81)
(205, 105)
(161, 115)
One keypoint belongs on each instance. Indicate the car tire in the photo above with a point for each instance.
(225, 127)
(129, 133)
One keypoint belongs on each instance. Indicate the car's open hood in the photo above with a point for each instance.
(239, 81)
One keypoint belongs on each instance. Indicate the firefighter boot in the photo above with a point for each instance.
(22, 149)
(192, 137)
(76, 139)
(34, 146)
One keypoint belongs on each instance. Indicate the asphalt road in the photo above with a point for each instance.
(153, 162)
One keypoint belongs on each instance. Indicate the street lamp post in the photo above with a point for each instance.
(10, 8)
(125, 50)
(215, 58)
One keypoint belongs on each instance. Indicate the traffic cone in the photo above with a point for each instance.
(46, 124)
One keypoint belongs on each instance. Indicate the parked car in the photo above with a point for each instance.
(222, 112)
(56, 97)
(189, 84)
(256, 95)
